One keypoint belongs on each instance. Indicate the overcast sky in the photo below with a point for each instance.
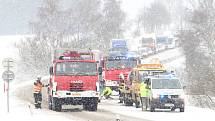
(16, 14)
(133, 6)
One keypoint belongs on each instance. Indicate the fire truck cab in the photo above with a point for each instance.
(116, 65)
(73, 80)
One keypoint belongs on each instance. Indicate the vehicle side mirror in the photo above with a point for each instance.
(51, 70)
(100, 70)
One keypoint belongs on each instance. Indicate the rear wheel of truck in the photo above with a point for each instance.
(56, 104)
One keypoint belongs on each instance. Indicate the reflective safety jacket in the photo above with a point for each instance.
(144, 91)
(107, 91)
(37, 87)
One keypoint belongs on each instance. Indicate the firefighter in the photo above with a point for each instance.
(144, 93)
(121, 87)
(37, 92)
(107, 92)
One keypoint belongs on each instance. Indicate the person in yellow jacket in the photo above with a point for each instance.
(37, 92)
(107, 92)
(144, 94)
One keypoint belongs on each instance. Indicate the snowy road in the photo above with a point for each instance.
(108, 110)
(191, 113)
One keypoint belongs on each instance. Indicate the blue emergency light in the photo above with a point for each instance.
(161, 96)
(119, 43)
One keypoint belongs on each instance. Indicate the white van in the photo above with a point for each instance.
(166, 93)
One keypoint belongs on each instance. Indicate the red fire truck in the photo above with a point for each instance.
(73, 79)
(116, 64)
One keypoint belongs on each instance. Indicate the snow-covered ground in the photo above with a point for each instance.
(108, 109)
(191, 113)
(19, 110)
(24, 111)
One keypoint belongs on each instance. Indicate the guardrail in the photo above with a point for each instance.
(212, 101)
(202, 101)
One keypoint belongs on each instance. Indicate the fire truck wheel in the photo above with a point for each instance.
(56, 104)
(85, 106)
(93, 106)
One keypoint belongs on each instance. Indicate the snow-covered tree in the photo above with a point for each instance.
(83, 24)
(198, 44)
(113, 21)
(154, 18)
(49, 32)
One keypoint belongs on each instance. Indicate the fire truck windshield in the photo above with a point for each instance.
(121, 64)
(76, 68)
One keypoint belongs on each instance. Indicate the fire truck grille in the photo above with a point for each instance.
(76, 86)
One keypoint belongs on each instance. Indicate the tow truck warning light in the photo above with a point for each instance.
(150, 66)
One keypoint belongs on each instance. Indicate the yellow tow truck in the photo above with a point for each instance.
(131, 91)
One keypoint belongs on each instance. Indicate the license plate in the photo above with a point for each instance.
(76, 94)
(169, 105)
(111, 83)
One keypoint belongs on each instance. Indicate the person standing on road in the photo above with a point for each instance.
(37, 92)
(121, 87)
(144, 94)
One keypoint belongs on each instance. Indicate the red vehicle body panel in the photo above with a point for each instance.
(114, 74)
(88, 82)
